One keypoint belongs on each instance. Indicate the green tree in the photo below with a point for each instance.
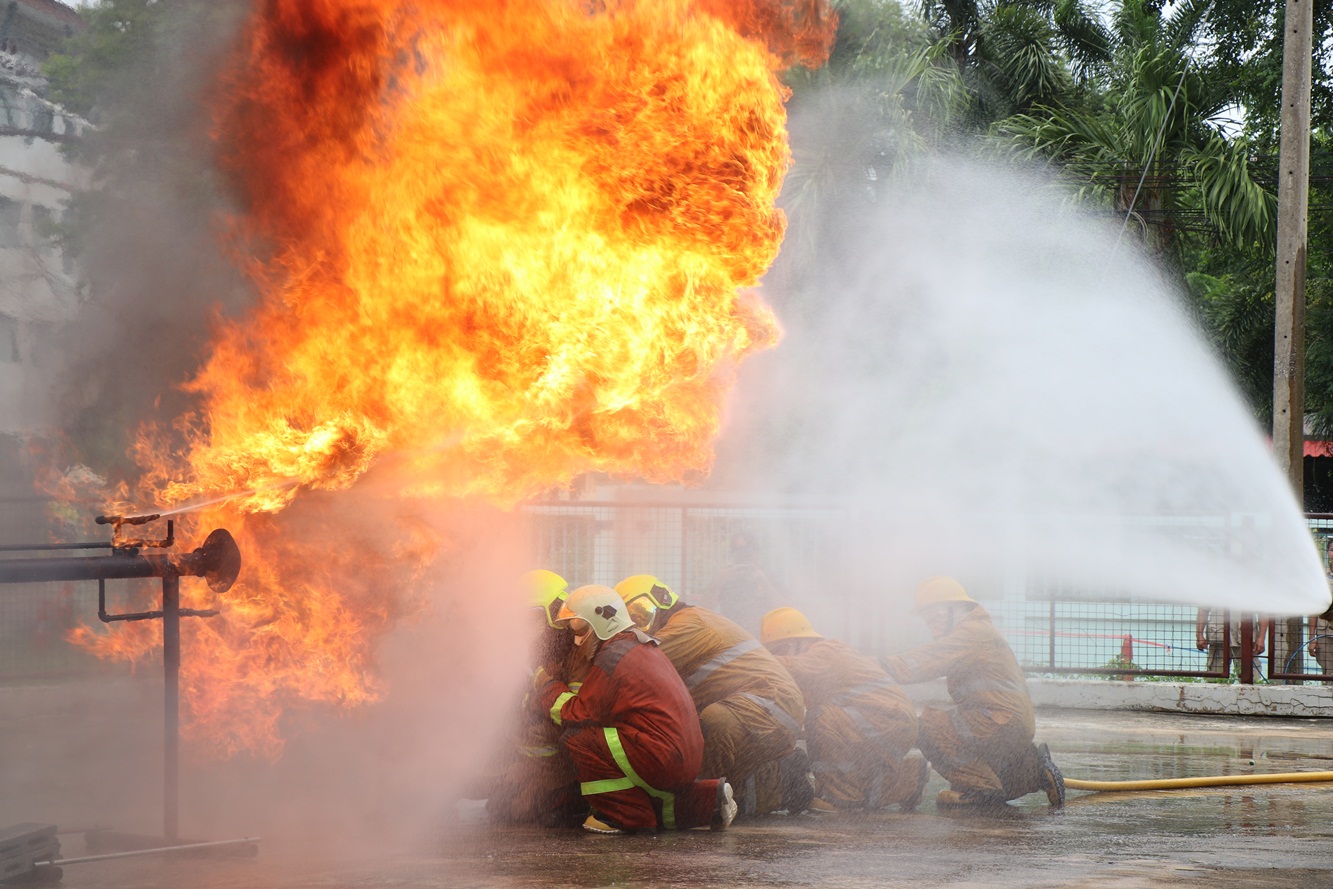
(886, 98)
(1014, 55)
(144, 231)
(1153, 135)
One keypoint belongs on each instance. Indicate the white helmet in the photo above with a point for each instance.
(601, 607)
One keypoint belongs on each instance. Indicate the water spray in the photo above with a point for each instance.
(202, 504)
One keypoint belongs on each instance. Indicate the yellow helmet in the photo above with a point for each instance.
(938, 590)
(547, 591)
(644, 595)
(785, 623)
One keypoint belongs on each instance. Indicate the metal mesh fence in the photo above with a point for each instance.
(35, 617)
(703, 551)
(1052, 629)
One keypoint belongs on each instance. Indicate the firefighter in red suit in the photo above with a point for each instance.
(631, 730)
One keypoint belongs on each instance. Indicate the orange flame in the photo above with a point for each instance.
(498, 245)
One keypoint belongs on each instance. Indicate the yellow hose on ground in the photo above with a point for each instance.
(1208, 781)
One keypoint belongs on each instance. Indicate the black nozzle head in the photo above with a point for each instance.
(222, 560)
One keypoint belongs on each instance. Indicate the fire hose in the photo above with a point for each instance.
(1202, 781)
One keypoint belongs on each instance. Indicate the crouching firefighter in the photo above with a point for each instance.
(983, 744)
(750, 708)
(859, 723)
(631, 730)
(536, 783)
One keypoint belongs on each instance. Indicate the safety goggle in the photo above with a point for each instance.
(642, 610)
(553, 611)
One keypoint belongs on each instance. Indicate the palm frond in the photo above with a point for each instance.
(1240, 207)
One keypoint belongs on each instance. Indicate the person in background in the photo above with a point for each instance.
(1212, 633)
(859, 724)
(751, 710)
(1321, 631)
(983, 745)
(631, 731)
(536, 783)
(742, 591)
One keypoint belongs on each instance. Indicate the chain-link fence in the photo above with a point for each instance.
(1053, 630)
(743, 559)
(36, 617)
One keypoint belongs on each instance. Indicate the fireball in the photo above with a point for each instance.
(497, 245)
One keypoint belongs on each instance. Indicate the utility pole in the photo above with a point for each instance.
(1289, 336)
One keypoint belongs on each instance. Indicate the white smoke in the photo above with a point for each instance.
(1003, 395)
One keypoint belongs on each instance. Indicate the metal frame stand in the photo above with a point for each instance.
(218, 561)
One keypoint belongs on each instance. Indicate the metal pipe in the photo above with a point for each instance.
(43, 547)
(134, 853)
(218, 560)
(171, 669)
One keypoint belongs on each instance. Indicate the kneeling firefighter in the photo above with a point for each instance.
(983, 744)
(631, 731)
(858, 722)
(751, 709)
(536, 783)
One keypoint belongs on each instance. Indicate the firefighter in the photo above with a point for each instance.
(750, 708)
(631, 730)
(536, 783)
(983, 744)
(859, 724)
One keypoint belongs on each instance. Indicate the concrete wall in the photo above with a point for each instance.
(1201, 698)
(1186, 697)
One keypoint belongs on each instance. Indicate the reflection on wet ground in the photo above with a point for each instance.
(1225, 838)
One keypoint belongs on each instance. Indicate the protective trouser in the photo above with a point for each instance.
(978, 754)
(744, 742)
(859, 763)
(651, 796)
(538, 787)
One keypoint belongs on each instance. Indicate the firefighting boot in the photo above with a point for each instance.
(593, 824)
(1052, 779)
(952, 799)
(912, 800)
(727, 806)
(798, 781)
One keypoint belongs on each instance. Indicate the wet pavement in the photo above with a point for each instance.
(1257, 836)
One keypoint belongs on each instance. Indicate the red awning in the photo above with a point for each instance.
(1319, 448)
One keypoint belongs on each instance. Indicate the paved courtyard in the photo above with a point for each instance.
(1259, 836)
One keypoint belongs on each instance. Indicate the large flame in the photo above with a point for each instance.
(499, 243)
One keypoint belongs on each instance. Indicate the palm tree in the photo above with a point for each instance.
(1015, 55)
(883, 101)
(1153, 138)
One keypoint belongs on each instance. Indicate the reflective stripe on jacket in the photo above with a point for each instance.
(718, 660)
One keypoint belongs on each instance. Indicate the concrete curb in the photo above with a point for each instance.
(1205, 698)
(1218, 699)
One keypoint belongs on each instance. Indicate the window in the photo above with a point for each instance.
(43, 224)
(9, 339)
(10, 213)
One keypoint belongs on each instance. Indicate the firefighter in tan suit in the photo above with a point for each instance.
(859, 723)
(536, 782)
(983, 744)
(750, 708)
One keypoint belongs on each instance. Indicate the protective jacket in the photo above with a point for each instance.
(751, 709)
(859, 724)
(984, 743)
(536, 783)
(634, 738)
